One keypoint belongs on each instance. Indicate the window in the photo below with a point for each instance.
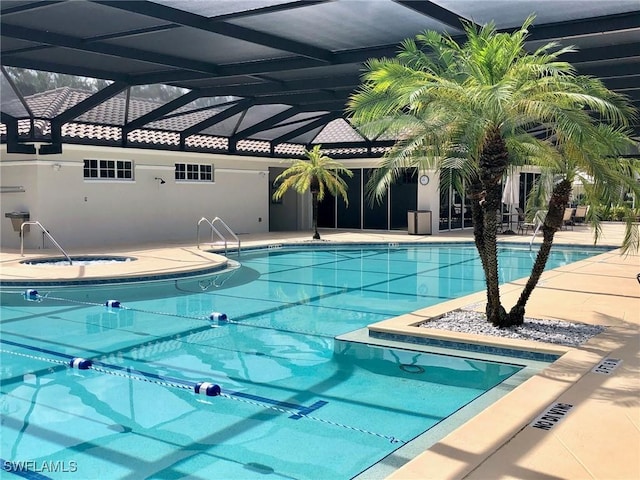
(108, 169)
(194, 172)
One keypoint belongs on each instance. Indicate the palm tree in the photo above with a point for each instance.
(318, 173)
(478, 108)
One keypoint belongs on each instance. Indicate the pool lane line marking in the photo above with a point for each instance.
(293, 414)
(135, 374)
(203, 318)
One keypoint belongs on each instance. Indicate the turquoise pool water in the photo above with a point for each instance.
(294, 402)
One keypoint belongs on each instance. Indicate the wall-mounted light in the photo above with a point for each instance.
(162, 182)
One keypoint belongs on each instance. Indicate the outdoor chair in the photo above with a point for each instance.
(567, 219)
(538, 219)
(521, 221)
(581, 214)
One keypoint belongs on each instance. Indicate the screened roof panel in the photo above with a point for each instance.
(259, 113)
(287, 126)
(225, 128)
(203, 46)
(306, 137)
(10, 101)
(11, 44)
(268, 55)
(207, 8)
(88, 19)
(511, 13)
(361, 24)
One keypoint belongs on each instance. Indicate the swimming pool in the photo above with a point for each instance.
(295, 403)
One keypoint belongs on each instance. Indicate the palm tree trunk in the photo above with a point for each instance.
(552, 223)
(492, 165)
(314, 215)
(496, 313)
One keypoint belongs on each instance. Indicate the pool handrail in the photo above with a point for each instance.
(538, 218)
(44, 231)
(217, 232)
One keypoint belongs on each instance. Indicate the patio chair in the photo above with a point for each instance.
(567, 219)
(538, 219)
(521, 220)
(581, 214)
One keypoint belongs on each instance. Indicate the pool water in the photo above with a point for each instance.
(291, 405)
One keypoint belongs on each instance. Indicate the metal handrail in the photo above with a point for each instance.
(539, 219)
(217, 232)
(44, 230)
(235, 237)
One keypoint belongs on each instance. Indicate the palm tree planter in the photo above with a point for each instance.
(471, 109)
(318, 174)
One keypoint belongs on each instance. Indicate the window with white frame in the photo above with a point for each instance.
(108, 169)
(194, 172)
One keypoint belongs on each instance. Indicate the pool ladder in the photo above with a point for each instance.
(214, 231)
(45, 232)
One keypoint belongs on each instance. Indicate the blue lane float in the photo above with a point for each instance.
(217, 316)
(112, 304)
(208, 389)
(31, 294)
(80, 363)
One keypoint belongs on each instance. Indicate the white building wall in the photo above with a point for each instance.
(90, 213)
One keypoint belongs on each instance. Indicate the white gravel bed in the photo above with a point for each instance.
(549, 331)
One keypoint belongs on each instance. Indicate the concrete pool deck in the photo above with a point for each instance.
(598, 437)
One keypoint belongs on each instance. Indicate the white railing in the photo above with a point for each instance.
(44, 231)
(214, 231)
(538, 220)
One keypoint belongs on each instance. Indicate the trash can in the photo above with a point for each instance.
(419, 222)
(17, 219)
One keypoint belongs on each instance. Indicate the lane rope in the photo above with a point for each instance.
(128, 374)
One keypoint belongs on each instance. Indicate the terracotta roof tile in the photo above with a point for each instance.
(103, 124)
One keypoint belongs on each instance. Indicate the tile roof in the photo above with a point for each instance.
(102, 124)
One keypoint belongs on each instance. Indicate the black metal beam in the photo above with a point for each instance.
(305, 128)
(192, 20)
(13, 138)
(441, 14)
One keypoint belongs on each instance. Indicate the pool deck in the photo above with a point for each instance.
(598, 438)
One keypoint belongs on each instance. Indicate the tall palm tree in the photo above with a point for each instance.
(478, 108)
(318, 173)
